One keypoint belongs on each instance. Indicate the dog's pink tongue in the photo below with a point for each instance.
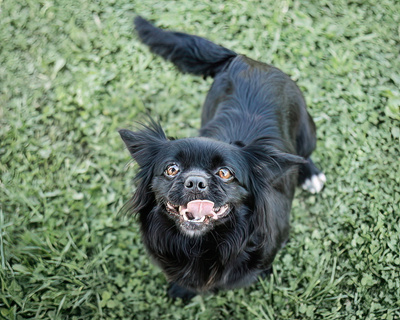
(199, 208)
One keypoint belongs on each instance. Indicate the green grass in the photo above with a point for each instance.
(72, 73)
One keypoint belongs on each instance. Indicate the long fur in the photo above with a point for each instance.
(255, 119)
(189, 53)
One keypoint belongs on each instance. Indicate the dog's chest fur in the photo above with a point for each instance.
(216, 260)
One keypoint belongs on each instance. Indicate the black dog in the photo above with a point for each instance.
(214, 210)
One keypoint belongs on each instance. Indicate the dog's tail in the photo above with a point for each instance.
(191, 54)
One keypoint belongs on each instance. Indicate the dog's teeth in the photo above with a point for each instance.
(200, 219)
(222, 210)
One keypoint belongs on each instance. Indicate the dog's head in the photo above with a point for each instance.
(200, 182)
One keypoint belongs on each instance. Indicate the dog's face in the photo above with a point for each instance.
(198, 182)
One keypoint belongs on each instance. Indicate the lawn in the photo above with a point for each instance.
(72, 73)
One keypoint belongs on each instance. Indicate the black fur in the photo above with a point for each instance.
(189, 53)
(254, 124)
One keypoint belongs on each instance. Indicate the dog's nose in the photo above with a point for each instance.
(196, 183)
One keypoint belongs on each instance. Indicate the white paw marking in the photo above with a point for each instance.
(315, 183)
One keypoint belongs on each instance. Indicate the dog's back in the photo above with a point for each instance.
(250, 100)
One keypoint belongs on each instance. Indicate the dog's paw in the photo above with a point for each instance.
(176, 291)
(266, 273)
(315, 183)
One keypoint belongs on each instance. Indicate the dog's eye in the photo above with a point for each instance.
(172, 170)
(225, 174)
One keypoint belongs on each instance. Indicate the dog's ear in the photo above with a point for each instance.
(266, 159)
(267, 164)
(145, 147)
(145, 144)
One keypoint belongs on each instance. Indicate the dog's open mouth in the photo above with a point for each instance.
(198, 211)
